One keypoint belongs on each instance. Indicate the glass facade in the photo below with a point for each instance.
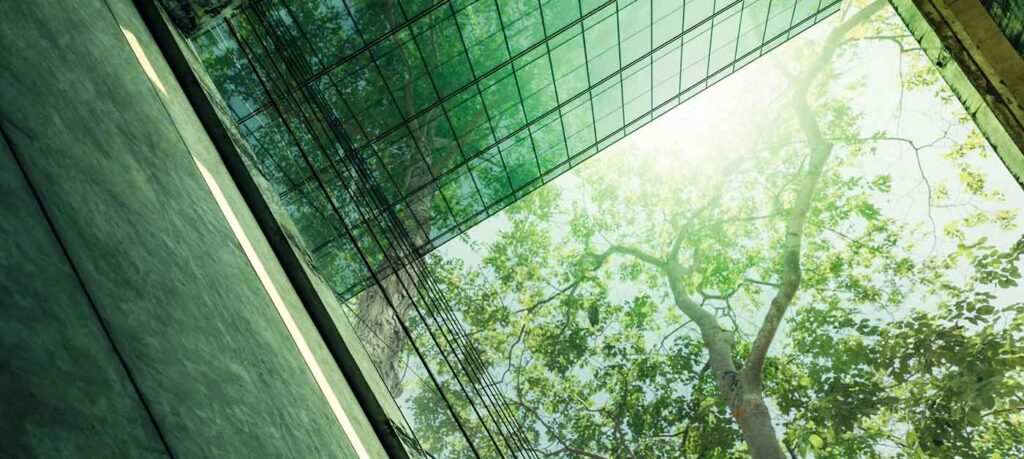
(461, 107)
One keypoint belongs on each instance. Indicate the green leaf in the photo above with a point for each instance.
(816, 441)
(911, 437)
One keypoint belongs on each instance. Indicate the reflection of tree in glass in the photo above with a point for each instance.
(426, 147)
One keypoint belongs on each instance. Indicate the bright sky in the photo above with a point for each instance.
(722, 114)
(724, 111)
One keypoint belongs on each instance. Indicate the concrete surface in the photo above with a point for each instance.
(164, 255)
(981, 66)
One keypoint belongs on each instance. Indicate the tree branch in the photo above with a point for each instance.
(820, 151)
(570, 287)
(569, 449)
(672, 255)
(554, 434)
(634, 252)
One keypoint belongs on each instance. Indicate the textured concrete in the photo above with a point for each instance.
(110, 144)
(64, 391)
(192, 16)
(346, 351)
(981, 66)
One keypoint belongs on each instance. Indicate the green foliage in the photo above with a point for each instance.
(901, 341)
(890, 349)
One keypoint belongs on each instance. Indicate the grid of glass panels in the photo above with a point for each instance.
(461, 107)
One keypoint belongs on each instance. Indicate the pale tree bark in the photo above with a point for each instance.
(379, 329)
(377, 323)
(748, 405)
(741, 385)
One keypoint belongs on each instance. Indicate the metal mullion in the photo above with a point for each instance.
(554, 80)
(449, 332)
(335, 85)
(222, 39)
(739, 33)
(452, 127)
(263, 122)
(515, 77)
(448, 3)
(375, 213)
(767, 19)
(571, 99)
(448, 119)
(682, 45)
(494, 70)
(305, 197)
(398, 227)
(341, 97)
(476, 80)
(416, 144)
(733, 59)
(459, 341)
(494, 208)
(488, 385)
(652, 57)
(412, 136)
(480, 94)
(466, 345)
(246, 133)
(385, 252)
(313, 132)
(622, 84)
(337, 89)
(792, 17)
(438, 295)
(353, 55)
(400, 268)
(309, 125)
(711, 39)
(362, 256)
(590, 90)
(702, 22)
(480, 377)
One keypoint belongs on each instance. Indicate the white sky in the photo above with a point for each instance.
(697, 127)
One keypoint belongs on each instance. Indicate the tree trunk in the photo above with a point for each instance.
(740, 389)
(377, 325)
(192, 17)
(751, 414)
(380, 331)
(744, 396)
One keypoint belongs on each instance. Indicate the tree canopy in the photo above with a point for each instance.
(834, 273)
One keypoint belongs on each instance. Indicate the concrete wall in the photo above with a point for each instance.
(981, 66)
(63, 390)
(144, 313)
